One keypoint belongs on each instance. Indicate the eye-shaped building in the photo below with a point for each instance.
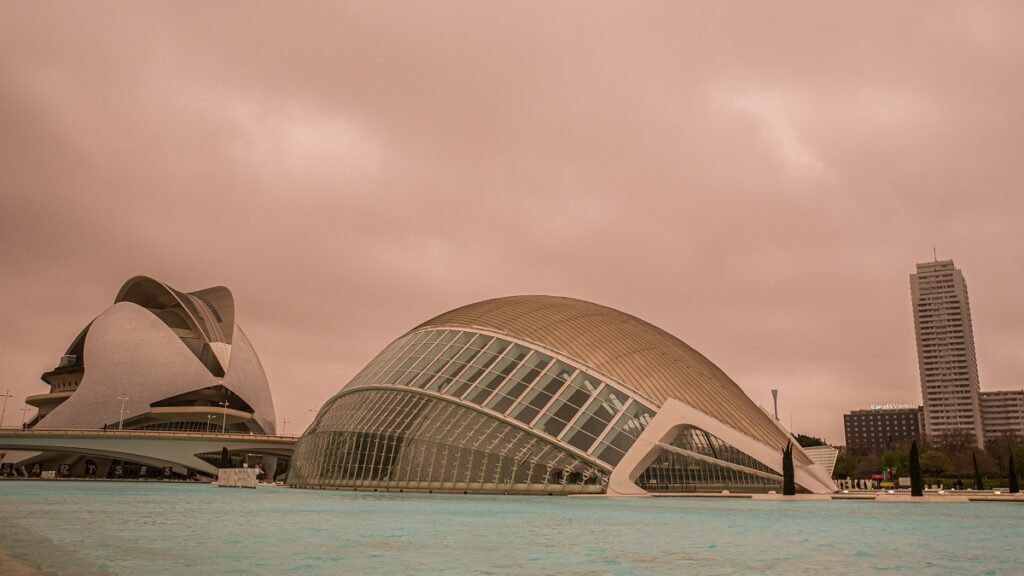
(541, 394)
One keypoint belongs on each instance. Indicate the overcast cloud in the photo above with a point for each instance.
(757, 178)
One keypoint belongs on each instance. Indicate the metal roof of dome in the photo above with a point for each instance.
(637, 354)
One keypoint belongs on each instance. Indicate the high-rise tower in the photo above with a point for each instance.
(945, 351)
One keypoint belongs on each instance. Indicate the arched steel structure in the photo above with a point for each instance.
(544, 394)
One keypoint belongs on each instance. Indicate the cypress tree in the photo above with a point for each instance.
(1014, 485)
(916, 479)
(788, 481)
(225, 458)
(979, 484)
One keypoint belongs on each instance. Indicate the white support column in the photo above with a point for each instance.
(664, 427)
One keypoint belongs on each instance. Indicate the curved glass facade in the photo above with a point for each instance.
(698, 461)
(512, 380)
(536, 394)
(399, 439)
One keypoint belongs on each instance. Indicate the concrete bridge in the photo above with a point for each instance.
(153, 448)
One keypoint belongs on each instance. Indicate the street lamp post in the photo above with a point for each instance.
(3, 412)
(284, 426)
(24, 414)
(209, 422)
(120, 421)
(224, 422)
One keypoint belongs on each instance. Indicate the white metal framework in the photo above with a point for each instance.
(487, 398)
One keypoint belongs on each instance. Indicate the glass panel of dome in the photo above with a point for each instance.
(598, 415)
(498, 346)
(453, 369)
(453, 365)
(422, 363)
(480, 341)
(393, 353)
(464, 338)
(538, 397)
(569, 402)
(435, 336)
(401, 350)
(477, 368)
(437, 365)
(498, 373)
(427, 348)
(472, 373)
(397, 373)
(418, 350)
(519, 382)
(626, 430)
(487, 357)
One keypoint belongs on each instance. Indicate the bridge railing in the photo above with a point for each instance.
(144, 433)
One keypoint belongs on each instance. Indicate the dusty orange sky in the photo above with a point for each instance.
(757, 178)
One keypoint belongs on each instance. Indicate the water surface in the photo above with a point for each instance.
(69, 527)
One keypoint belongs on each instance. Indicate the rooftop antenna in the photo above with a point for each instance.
(935, 253)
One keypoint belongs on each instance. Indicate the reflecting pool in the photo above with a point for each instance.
(67, 527)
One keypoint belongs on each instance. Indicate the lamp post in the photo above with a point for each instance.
(120, 421)
(209, 422)
(24, 413)
(3, 412)
(224, 423)
(284, 426)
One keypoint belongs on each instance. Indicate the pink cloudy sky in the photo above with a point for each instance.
(759, 179)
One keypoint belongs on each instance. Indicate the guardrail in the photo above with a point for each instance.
(143, 433)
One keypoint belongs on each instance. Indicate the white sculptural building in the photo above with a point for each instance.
(157, 360)
(550, 395)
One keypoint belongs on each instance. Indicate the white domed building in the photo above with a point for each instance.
(550, 395)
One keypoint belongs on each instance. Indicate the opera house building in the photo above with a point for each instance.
(157, 360)
(547, 395)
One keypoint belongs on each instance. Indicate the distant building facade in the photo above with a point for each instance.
(946, 356)
(1003, 413)
(881, 428)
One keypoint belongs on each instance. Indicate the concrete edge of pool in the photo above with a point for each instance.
(885, 497)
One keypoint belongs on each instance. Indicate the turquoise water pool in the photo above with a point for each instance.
(137, 528)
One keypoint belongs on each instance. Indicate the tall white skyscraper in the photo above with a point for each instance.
(945, 351)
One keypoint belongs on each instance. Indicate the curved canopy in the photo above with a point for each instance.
(210, 311)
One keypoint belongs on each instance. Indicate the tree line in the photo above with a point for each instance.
(950, 459)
